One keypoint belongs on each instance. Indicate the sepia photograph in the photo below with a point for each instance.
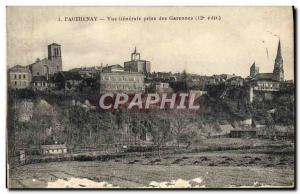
(150, 97)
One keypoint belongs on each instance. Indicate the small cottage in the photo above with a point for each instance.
(54, 149)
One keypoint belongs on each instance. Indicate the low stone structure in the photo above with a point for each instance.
(54, 149)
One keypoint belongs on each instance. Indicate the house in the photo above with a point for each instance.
(54, 149)
(42, 83)
(163, 87)
(265, 82)
(88, 72)
(219, 79)
(113, 68)
(68, 80)
(127, 82)
(235, 81)
(19, 77)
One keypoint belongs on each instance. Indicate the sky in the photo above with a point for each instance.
(243, 35)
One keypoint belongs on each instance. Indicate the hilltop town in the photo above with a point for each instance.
(55, 113)
(136, 76)
(150, 97)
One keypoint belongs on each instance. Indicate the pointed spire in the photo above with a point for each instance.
(134, 49)
(279, 50)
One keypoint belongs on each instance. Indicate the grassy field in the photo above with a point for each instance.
(209, 169)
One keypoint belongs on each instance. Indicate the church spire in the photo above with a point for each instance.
(134, 49)
(278, 72)
(279, 51)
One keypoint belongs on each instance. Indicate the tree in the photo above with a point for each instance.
(184, 76)
(187, 137)
(180, 124)
(270, 126)
(135, 126)
(160, 128)
(109, 128)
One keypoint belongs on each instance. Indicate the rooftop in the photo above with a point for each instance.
(264, 76)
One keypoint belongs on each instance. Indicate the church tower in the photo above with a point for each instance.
(254, 70)
(135, 56)
(54, 55)
(278, 73)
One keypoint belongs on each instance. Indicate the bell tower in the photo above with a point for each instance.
(135, 56)
(54, 55)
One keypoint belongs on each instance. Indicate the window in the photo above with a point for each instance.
(24, 76)
(15, 76)
(20, 76)
(38, 73)
(15, 83)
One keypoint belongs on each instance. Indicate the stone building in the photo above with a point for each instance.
(268, 81)
(265, 85)
(54, 149)
(48, 66)
(235, 81)
(278, 72)
(113, 68)
(136, 64)
(42, 83)
(121, 81)
(265, 82)
(88, 72)
(163, 87)
(68, 80)
(19, 77)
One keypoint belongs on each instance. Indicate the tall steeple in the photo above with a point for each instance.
(278, 72)
(278, 56)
